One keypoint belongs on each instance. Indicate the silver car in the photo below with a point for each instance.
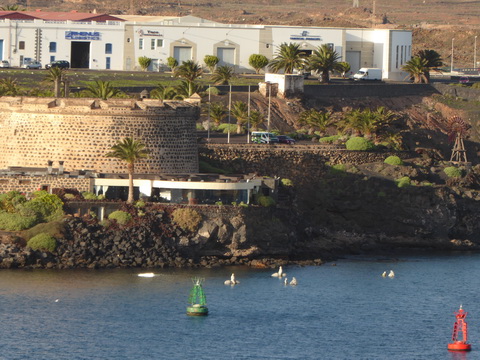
(32, 65)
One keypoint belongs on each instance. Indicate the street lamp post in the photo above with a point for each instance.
(451, 63)
(475, 53)
(269, 87)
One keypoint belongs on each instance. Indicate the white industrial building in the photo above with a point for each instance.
(100, 41)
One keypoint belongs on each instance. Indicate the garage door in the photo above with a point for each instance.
(182, 53)
(353, 58)
(226, 56)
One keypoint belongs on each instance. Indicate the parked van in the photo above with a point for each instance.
(263, 137)
(368, 74)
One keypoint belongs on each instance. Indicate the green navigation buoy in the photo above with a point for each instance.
(197, 299)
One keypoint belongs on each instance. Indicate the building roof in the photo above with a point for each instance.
(57, 16)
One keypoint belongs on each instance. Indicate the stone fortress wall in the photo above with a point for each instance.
(81, 131)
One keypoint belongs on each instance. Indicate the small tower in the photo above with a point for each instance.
(460, 330)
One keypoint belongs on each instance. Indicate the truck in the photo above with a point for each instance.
(368, 74)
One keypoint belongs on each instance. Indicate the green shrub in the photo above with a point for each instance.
(265, 201)
(359, 144)
(121, 217)
(427, 183)
(140, 204)
(286, 182)
(101, 197)
(187, 219)
(329, 139)
(219, 203)
(69, 196)
(403, 182)
(87, 195)
(11, 200)
(224, 128)
(338, 169)
(393, 160)
(42, 242)
(213, 90)
(242, 204)
(453, 171)
(16, 221)
(53, 228)
(48, 207)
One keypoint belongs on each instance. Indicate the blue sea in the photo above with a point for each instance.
(347, 311)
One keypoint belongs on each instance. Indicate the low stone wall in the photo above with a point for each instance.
(298, 162)
(27, 184)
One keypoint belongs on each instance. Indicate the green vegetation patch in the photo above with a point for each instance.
(286, 182)
(403, 182)
(187, 219)
(393, 160)
(42, 242)
(120, 217)
(359, 144)
(329, 139)
(265, 201)
(53, 228)
(453, 172)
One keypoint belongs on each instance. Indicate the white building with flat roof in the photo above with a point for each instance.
(101, 41)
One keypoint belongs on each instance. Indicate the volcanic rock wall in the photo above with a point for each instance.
(81, 131)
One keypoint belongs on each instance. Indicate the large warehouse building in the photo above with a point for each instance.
(101, 41)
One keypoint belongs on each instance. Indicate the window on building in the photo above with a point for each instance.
(159, 43)
(52, 58)
(108, 48)
(152, 44)
(52, 47)
(107, 64)
(21, 45)
(401, 55)
(140, 44)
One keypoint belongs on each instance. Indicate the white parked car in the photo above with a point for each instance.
(4, 64)
(32, 65)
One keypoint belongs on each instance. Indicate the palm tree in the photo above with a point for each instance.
(223, 75)
(9, 87)
(256, 118)
(218, 112)
(102, 89)
(172, 63)
(433, 59)
(130, 151)
(258, 62)
(14, 7)
(416, 68)
(288, 58)
(56, 76)
(344, 67)
(189, 70)
(324, 60)
(187, 88)
(240, 112)
(315, 119)
(368, 122)
(165, 93)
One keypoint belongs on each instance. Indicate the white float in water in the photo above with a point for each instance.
(147, 275)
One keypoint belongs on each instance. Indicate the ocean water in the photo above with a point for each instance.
(347, 311)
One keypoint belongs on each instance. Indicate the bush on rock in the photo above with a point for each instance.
(42, 242)
(187, 219)
(121, 217)
(359, 144)
(393, 160)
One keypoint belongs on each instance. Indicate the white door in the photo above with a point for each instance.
(182, 53)
(226, 56)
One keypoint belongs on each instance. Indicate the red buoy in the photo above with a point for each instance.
(460, 327)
